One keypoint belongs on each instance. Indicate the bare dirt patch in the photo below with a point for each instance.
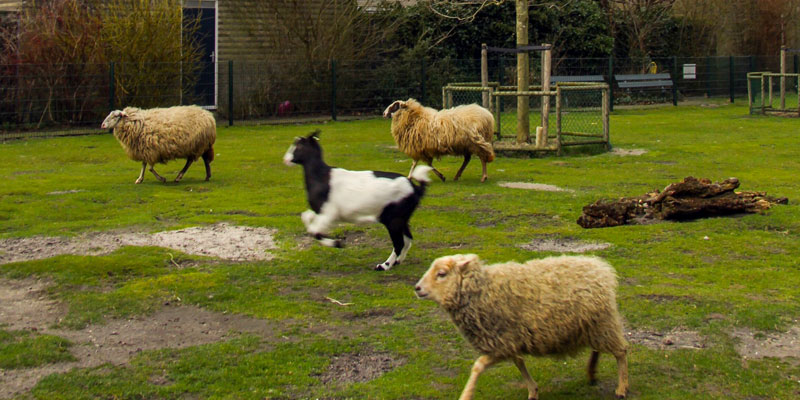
(23, 306)
(229, 242)
(362, 366)
(533, 186)
(672, 340)
(627, 152)
(563, 245)
(754, 345)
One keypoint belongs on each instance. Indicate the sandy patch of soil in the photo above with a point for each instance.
(672, 340)
(23, 306)
(229, 242)
(362, 366)
(58, 192)
(563, 245)
(627, 152)
(533, 186)
(754, 345)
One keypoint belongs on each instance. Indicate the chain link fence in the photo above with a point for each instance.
(37, 101)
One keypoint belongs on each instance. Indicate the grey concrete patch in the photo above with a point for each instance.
(533, 186)
(672, 340)
(563, 245)
(627, 152)
(229, 242)
(754, 345)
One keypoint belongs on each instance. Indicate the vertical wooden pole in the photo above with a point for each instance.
(444, 97)
(611, 82)
(783, 77)
(230, 92)
(541, 136)
(675, 76)
(112, 85)
(769, 82)
(333, 90)
(605, 109)
(497, 110)
(731, 80)
(485, 75)
(523, 74)
(558, 120)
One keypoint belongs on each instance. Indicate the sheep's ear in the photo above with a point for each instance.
(466, 261)
(123, 114)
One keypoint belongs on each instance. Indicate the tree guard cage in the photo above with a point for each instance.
(581, 108)
(761, 85)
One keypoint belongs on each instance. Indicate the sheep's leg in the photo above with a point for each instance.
(436, 171)
(622, 372)
(533, 389)
(485, 175)
(413, 165)
(189, 162)
(480, 365)
(592, 368)
(159, 177)
(398, 243)
(207, 157)
(141, 174)
(467, 157)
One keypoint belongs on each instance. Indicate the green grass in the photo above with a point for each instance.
(20, 349)
(747, 271)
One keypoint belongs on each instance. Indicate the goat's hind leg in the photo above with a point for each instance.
(189, 162)
(398, 243)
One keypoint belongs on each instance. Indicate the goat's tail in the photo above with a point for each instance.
(420, 174)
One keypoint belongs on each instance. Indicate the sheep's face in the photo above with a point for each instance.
(443, 280)
(303, 149)
(387, 113)
(113, 119)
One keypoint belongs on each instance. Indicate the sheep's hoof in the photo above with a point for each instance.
(138, 181)
(483, 179)
(620, 396)
(592, 382)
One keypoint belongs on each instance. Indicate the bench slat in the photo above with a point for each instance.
(576, 78)
(640, 84)
(641, 77)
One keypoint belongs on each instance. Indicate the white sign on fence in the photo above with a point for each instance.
(689, 71)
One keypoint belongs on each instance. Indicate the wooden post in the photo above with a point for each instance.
(558, 120)
(769, 80)
(497, 111)
(485, 75)
(444, 97)
(605, 109)
(783, 77)
(541, 136)
(523, 73)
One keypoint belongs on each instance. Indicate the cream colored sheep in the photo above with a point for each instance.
(424, 133)
(550, 306)
(159, 135)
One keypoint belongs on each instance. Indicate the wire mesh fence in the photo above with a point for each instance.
(47, 100)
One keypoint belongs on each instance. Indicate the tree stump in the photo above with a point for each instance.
(689, 199)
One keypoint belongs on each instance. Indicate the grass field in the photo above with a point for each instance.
(710, 278)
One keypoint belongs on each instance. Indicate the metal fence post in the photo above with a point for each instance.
(709, 76)
(611, 83)
(731, 82)
(333, 90)
(422, 81)
(230, 92)
(111, 86)
(674, 81)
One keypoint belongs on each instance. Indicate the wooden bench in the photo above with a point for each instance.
(576, 78)
(643, 81)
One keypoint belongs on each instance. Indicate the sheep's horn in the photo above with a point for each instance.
(315, 134)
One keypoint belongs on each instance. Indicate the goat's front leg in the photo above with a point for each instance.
(141, 174)
(318, 225)
(480, 365)
(159, 177)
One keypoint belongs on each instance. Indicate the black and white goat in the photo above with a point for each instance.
(338, 195)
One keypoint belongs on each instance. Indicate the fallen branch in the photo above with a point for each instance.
(689, 199)
(337, 302)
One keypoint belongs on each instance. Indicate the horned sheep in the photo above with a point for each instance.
(551, 306)
(424, 133)
(158, 135)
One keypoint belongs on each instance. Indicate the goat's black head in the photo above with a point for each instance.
(304, 149)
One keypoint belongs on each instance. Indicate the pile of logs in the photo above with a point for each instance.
(689, 199)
